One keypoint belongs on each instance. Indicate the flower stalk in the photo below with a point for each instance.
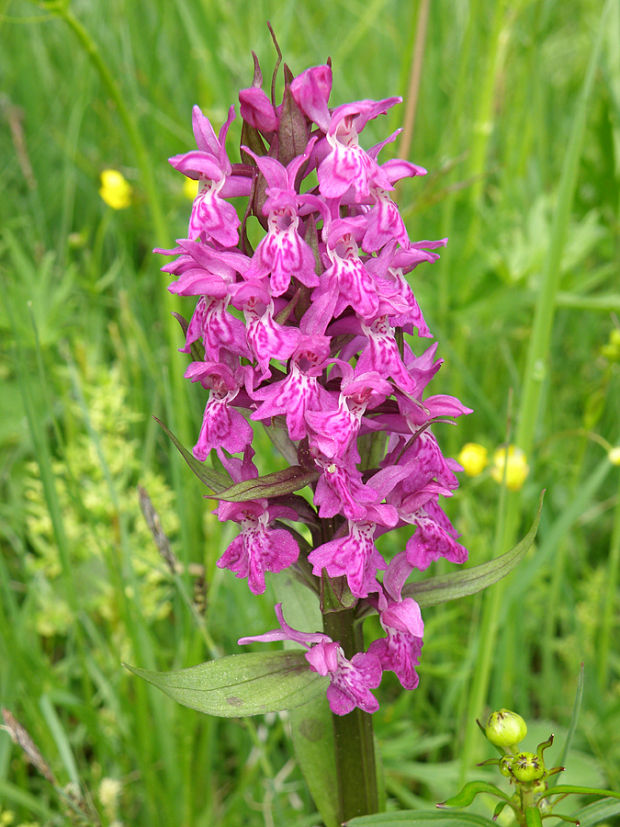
(353, 733)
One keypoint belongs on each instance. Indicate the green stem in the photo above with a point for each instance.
(610, 596)
(353, 733)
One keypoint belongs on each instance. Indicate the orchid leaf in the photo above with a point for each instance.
(215, 480)
(313, 740)
(271, 485)
(241, 685)
(437, 590)
(465, 797)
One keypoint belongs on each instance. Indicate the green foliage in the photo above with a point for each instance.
(88, 355)
(96, 483)
(241, 685)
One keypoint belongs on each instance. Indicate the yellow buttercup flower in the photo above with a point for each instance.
(517, 468)
(115, 189)
(190, 188)
(474, 458)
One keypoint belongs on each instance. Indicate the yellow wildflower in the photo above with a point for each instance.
(614, 455)
(517, 468)
(115, 189)
(473, 458)
(190, 188)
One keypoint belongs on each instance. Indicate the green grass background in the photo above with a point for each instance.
(518, 122)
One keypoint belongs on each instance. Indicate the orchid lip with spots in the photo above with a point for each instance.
(303, 334)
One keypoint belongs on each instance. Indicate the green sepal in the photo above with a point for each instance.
(275, 484)
(499, 809)
(406, 817)
(215, 480)
(437, 590)
(241, 685)
(465, 797)
(533, 817)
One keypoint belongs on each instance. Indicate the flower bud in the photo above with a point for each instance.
(527, 767)
(505, 728)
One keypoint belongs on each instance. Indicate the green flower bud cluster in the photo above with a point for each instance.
(532, 798)
(506, 729)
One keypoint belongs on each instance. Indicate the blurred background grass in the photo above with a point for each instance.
(523, 161)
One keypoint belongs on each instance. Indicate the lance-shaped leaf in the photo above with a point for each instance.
(216, 480)
(271, 485)
(465, 797)
(568, 789)
(469, 581)
(241, 685)
(404, 818)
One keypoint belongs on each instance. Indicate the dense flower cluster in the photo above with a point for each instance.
(304, 334)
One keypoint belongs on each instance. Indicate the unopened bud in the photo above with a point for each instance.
(505, 728)
(527, 766)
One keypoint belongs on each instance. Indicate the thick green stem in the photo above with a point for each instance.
(353, 733)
